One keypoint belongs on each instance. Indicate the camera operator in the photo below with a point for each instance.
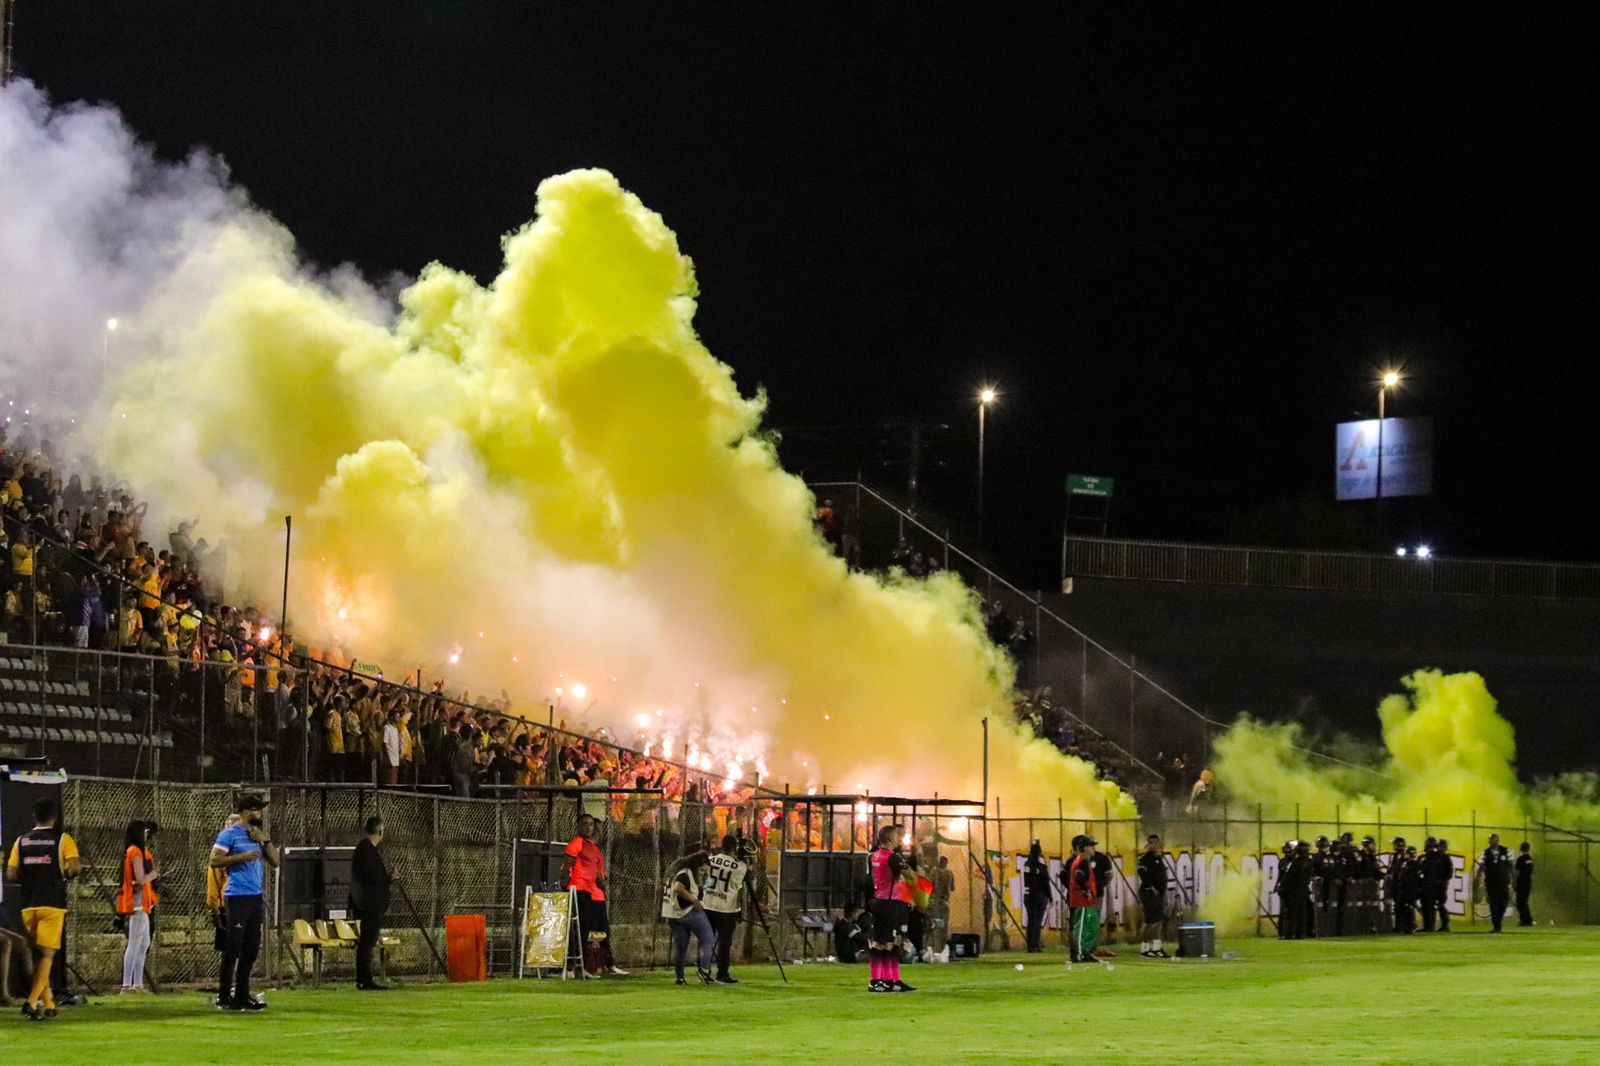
(681, 906)
(723, 894)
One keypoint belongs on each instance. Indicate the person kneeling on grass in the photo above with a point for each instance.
(680, 905)
(1083, 901)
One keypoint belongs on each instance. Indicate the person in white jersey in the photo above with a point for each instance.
(680, 905)
(723, 894)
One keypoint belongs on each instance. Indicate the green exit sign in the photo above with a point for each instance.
(1089, 485)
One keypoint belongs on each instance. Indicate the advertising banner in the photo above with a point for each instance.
(1407, 458)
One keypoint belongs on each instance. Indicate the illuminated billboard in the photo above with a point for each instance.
(1407, 458)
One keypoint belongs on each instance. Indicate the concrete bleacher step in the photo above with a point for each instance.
(19, 709)
(81, 736)
(35, 684)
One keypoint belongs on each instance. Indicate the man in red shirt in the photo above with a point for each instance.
(1083, 901)
(586, 875)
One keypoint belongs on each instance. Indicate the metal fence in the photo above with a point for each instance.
(454, 857)
(1199, 849)
(1148, 560)
(177, 719)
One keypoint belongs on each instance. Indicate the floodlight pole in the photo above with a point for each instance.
(985, 805)
(288, 533)
(1383, 392)
(983, 411)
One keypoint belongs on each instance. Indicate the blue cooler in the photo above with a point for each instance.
(1197, 940)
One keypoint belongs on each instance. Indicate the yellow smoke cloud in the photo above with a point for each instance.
(553, 478)
(1449, 754)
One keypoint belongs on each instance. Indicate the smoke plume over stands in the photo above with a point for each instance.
(548, 478)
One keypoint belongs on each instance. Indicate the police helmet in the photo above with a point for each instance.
(1399, 842)
(1322, 842)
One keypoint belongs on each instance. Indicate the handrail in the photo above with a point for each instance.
(1038, 604)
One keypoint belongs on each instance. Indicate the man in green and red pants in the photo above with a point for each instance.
(1083, 900)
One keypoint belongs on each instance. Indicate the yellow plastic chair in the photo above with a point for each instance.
(310, 943)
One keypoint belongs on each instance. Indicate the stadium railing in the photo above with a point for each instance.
(1106, 691)
(1216, 564)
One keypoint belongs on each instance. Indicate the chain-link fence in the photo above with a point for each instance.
(454, 856)
(1203, 852)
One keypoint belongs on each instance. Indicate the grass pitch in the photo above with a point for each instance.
(1529, 996)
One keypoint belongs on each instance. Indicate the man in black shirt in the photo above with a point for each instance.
(369, 898)
(1035, 894)
(1152, 867)
(849, 939)
(1524, 884)
(1495, 868)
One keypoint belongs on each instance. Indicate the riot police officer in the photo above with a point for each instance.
(1524, 879)
(1321, 869)
(1495, 868)
(1391, 914)
(1293, 876)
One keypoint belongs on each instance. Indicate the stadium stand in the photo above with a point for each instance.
(120, 657)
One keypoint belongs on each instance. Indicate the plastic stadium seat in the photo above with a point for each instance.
(308, 941)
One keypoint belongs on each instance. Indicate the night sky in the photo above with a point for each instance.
(1181, 244)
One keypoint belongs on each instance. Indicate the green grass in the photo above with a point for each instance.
(1527, 996)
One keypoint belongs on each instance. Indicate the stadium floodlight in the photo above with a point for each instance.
(1424, 552)
(1401, 551)
(579, 691)
(1391, 378)
(111, 324)
(986, 396)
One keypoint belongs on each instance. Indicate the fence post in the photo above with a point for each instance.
(201, 758)
(150, 720)
(1261, 857)
(1470, 856)
(1133, 676)
(1083, 676)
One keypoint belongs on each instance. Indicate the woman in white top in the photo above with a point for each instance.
(680, 905)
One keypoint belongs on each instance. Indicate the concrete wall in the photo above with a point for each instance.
(1329, 657)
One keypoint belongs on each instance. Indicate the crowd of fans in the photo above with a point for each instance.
(1037, 709)
(81, 570)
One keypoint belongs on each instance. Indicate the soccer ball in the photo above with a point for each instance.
(1019, 967)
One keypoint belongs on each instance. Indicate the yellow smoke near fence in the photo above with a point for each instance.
(551, 483)
(1450, 758)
